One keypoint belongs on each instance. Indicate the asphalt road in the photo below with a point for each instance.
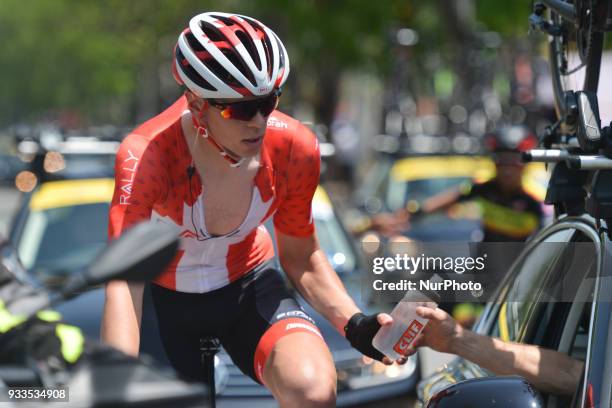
(9, 199)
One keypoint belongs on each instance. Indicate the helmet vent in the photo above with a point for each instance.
(250, 47)
(227, 21)
(211, 31)
(191, 73)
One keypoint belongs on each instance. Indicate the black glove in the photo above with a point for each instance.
(360, 330)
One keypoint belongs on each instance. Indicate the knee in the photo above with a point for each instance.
(321, 392)
(311, 387)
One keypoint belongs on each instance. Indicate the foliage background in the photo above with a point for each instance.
(93, 62)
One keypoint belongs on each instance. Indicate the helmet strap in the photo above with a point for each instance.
(202, 131)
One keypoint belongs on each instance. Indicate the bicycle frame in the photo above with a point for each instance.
(566, 10)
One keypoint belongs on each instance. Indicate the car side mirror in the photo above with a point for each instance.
(509, 392)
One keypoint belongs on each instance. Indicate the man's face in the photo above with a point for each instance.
(242, 138)
(509, 169)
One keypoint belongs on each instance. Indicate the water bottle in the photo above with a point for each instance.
(395, 340)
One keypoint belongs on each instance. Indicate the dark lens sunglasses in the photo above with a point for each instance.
(508, 159)
(246, 110)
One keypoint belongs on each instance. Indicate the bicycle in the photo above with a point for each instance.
(576, 29)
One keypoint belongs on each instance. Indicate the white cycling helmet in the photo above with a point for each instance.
(223, 55)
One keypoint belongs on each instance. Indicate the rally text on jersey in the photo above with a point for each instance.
(129, 165)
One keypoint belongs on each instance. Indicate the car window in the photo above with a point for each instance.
(63, 239)
(527, 280)
(334, 241)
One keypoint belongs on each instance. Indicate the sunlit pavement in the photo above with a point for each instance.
(9, 198)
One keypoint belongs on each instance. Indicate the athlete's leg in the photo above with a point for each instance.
(300, 372)
(277, 344)
(180, 328)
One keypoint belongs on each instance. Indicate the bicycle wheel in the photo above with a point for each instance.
(575, 54)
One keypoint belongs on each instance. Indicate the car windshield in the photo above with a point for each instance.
(334, 240)
(399, 192)
(60, 240)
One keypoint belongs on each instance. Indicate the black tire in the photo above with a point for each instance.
(583, 39)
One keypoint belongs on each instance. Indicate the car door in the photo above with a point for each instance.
(524, 312)
(597, 386)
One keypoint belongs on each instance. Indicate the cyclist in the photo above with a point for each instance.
(217, 164)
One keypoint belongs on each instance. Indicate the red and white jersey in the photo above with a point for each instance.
(152, 182)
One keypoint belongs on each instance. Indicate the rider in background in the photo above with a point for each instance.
(508, 212)
(216, 165)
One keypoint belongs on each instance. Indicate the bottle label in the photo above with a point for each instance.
(414, 328)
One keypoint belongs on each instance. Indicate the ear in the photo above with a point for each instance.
(196, 104)
(191, 97)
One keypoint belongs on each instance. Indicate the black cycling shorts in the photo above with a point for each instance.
(248, 316)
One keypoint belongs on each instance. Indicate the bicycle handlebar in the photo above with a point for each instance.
(545, 155)
(597, 162)
(574, 161)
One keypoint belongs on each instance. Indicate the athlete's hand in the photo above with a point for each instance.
(361, 329)
(385, 319)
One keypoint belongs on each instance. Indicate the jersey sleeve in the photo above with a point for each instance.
(294, 215)
(139, 182)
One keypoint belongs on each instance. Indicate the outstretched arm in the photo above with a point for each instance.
(311, 274)
(548, 370)
(441, 201)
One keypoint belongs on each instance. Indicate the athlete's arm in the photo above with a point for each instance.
(122, 316)
(548, 370)
(441, 201)
(136, 167)
(307, 267)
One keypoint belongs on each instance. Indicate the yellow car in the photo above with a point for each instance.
(390, 185)
(418, 178)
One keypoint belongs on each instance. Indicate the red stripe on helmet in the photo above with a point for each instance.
(244, 24)
(229, 33)
(175, 73)
(279, 77)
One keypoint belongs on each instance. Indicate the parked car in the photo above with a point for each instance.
(580, 325)
(63, 224)
(392, 183)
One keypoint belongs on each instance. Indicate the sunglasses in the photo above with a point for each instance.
(508, 159)
(246, 110)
